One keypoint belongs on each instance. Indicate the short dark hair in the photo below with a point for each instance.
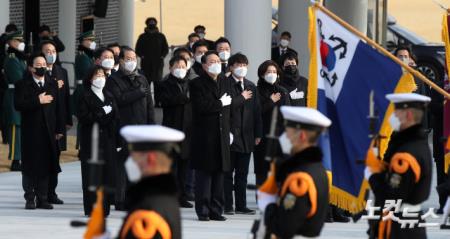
(148, 20)
(221, 40)
(98, 53)
(114, 44)
(11, 27)
(176, 59)
(124, 49)
(289, 56)
(193, 35)
(180, 50)
(33, 56)
(43, 28)
(263, 68)
(286, 33)
(92, 71)
(405, 48)
(237, 58)
(46, 42)
(208, 53)
(198, 27)
(199, 44)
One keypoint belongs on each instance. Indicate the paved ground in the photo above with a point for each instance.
(15, 222)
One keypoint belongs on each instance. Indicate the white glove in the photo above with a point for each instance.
(107, 109)
(297, 94)
(231, 138)
(265, 199)
(367, 173)
(225, 99)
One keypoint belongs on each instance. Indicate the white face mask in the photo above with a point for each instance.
(271, 78)
(215, 68)
(201, 35)
(395, 122)
(284, 43)
(240, 71)
(51, 58)
(198, 58)
(92, 45)
(179, 73)
(21, 47)
(224, 55)
(286, 145)
(108, 64)
(130, 66)
(99, 82)
(133, 172)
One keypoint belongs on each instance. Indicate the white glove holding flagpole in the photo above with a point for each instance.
(265, 199)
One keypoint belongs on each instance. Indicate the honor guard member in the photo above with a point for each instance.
(14, 68)
(152, 200)
(300, 206)
(406, 175)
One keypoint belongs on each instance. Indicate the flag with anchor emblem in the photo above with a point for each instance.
(343, 71)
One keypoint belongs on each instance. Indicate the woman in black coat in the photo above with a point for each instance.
(97, 106)
(271, 95)
(295, 84)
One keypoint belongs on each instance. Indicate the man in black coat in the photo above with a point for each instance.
(37, 100)
(210, 153)
(407, 173)
(131, 91)
(246, 128)
(45, 34)
(298, 210)
(153, 204)
(177, 114)
(199, 48)
(152, 48)
(59, 75)
(292, 81)
(282, 48)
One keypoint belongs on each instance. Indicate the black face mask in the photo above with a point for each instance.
(40, 71)
(116, 60)
(291, 69)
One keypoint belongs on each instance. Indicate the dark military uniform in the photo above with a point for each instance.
(303, 196)
(84, 60)
(153, 204)
(14, 69)
(408, 177)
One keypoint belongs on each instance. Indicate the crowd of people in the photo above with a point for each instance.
(225, 117)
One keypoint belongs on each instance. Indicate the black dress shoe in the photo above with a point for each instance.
(245, 211)
(55, 200)
(440, 211)
(338, 216)
(16, 166)
(229, 212)
(30, 205)
(217, 218)
(203, 218)
(44, 205)
(186, 204)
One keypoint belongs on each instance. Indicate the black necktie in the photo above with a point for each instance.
(239, 86)
(40, 85)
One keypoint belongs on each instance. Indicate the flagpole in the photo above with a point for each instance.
(384, 51)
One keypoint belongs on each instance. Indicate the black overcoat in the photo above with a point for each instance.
(40, 124)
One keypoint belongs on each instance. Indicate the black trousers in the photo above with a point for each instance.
(35, 187)
(208, 193)
(180, 168)
(239, 165)
(53, 181)
(438, 154)
(121, 179)
(89, 197)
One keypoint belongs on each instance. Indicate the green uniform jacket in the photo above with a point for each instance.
(83, 62)
(14, 69)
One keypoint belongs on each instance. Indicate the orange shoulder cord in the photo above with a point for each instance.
(299, 184)
(401, 162)
(145, 224)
